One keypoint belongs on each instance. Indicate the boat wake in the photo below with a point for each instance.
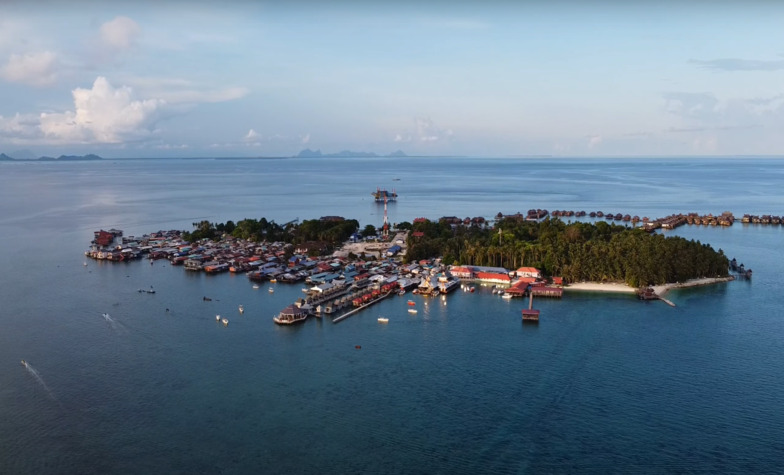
(118, 327)
(38, 378)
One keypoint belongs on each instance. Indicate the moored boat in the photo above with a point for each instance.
(383, 320)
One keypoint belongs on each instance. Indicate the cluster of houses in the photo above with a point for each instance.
(515, 283)
(764, 219)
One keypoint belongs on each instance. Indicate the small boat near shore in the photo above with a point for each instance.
(383, 320)
(412, 310)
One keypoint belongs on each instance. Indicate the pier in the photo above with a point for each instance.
(361, 307)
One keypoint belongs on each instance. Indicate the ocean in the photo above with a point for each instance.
(603, 384)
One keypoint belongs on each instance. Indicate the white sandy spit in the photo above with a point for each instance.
(659, 289)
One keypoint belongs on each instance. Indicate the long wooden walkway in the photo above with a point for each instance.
(361, 307)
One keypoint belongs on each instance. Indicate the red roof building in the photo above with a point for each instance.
(493, 277)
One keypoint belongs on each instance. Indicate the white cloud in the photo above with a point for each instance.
(426, 131)
(251, 135)
(594, 141)
(168, 146)
(120, 33)
(20, 129)
(103, 114)
(183, 91)
(37, 69)
(305, 138)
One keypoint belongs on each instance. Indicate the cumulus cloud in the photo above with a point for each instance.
(594, 141)
(426, 131)
(737, 64)
(120, 33)
(251, 135)
(103, 114)
(20, 129)
(37, 69)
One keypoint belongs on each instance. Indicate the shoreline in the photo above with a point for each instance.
(660, 290)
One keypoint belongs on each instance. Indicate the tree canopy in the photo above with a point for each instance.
(599, 252)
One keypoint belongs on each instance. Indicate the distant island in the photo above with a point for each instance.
(308, 153)
(61, 158)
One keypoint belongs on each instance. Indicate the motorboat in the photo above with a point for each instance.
(225, 322)
(383, 320)
(271, 290)
(412, 310)
(241, 309)
(255, 286)
(217, 318)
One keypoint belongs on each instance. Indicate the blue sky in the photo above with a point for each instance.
(242, 78)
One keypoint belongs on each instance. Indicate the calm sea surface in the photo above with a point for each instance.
(602, 384)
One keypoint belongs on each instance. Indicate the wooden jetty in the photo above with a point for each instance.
(361, 307)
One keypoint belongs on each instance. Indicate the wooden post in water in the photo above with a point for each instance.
(530, 314)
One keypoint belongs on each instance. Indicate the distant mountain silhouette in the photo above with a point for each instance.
(61, 158)
(308, 153)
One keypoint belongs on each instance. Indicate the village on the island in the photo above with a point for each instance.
(368, 269)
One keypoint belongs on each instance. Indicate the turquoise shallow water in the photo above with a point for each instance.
(601, 384)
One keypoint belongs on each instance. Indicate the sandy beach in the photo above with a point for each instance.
(616, 287)
(660, 290)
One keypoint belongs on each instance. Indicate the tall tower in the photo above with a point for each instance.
(385, 232)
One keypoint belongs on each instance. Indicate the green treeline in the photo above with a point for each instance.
(330, 232)
(598, 252)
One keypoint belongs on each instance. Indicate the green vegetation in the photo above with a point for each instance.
(598, 252)
(329, 232)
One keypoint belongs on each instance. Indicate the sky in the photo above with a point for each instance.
(239, 78)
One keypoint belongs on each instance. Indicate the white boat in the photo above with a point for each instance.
(506, 296)
(255, 286)
(217, 318)
(242, 309)
(383, 320)
(225, 321)
(271, 290)
(412, 310)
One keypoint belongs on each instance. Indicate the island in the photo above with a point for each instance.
(348, 269)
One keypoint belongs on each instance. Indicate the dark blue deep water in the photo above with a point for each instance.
(603, 384)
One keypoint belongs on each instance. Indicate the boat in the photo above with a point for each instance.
(383, 195)
(271, 290)
(412, 310)
(24, 363)
(255, 286)
(506, 296)
(402, 292)
(217, 318)
(290, 315)
(411, 303)
(225, 322)
(273, 281)
(447, 283)
(242, 309)
(471, 289)
(383, 320)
